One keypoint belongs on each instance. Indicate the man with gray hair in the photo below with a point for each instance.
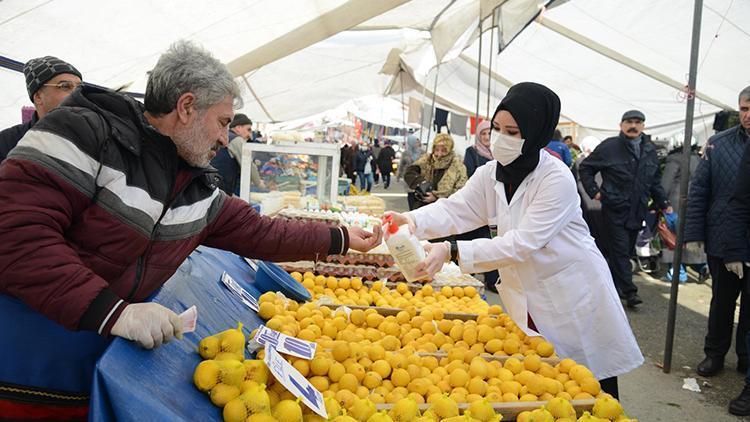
(706, 228)
(101, 202)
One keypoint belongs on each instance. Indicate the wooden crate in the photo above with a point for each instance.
(510, 410)
(488, 356)
(393, 311)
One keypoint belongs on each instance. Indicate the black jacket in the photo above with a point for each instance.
(229, 169)
(385, 159)
(628, 180)
(736, 246)
(9, 137)
(708, 218)
(361, 159)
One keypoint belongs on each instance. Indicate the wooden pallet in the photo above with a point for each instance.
(393, 311)
(510, 410)
(488, 356)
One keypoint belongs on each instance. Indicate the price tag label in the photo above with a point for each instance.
(298, 385)
(235, 288)
(284, 343)
(189, 319)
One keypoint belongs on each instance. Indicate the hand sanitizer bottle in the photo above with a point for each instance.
(405, 249)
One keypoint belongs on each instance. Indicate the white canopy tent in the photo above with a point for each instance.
(296, 58)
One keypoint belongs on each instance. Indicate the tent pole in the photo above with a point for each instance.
(684, 179)
(421, 118)
(479, 69)
(492, 53)
(403, 106)
(432, 109)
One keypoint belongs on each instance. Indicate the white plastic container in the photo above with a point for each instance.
(406, 250)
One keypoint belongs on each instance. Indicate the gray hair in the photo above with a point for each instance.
(187, 67)
(745, 94)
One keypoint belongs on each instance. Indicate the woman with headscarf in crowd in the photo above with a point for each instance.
(435, 175)
(478, 154)
(555, 281)
(412, 152)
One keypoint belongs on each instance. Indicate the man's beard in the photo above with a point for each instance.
(190, 141)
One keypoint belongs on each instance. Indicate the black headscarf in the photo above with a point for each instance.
(536, 109)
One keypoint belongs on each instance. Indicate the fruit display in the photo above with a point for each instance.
(353, 291)
(451, 275)
(416, 365)
(233, 383)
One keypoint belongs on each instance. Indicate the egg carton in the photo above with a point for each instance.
(365, 272)
(383, 260)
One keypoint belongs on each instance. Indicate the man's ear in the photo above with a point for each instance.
(37, 98)
(185, 107)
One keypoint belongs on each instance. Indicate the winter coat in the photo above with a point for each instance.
(363, 157)
(711, 187)
(9, 137)
(735, 247)
(228, 167)
(385, 159)
(628, 180)
(98, 211)
(670, 181)
(444, 181)
(473, 160)
(562, 150)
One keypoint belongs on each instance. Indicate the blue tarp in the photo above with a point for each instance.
(133, 384)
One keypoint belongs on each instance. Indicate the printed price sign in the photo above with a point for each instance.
(284, 343)
(235, 288)
(298, 385)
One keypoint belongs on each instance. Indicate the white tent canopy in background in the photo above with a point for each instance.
(601, 57)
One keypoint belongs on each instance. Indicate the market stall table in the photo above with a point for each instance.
(131, 383)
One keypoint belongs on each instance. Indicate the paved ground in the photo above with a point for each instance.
(648, 393)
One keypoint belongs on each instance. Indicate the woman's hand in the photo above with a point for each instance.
(437, 255)
(399, 219)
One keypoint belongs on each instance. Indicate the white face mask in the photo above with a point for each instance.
(505, 148)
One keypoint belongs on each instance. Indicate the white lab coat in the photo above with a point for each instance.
(549, 265)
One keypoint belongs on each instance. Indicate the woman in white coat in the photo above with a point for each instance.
(552, 272)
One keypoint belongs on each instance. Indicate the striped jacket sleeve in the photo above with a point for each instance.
(240, 229)
(45, 184)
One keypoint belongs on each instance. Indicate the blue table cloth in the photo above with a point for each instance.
(133, 384)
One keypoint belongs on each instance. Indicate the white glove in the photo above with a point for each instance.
(399, 219)
(148, 324)
(737, 267)
(695, 247)
(437, 255)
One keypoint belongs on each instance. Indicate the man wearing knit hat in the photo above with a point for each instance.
(228, 161)
(49, 81)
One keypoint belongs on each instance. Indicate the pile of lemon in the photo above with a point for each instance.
(425, 331)
(406, 360)
(238, 385)
(363, 354)
(353, 291)
(605, 409)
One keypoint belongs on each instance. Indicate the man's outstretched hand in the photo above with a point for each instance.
(361, 240)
